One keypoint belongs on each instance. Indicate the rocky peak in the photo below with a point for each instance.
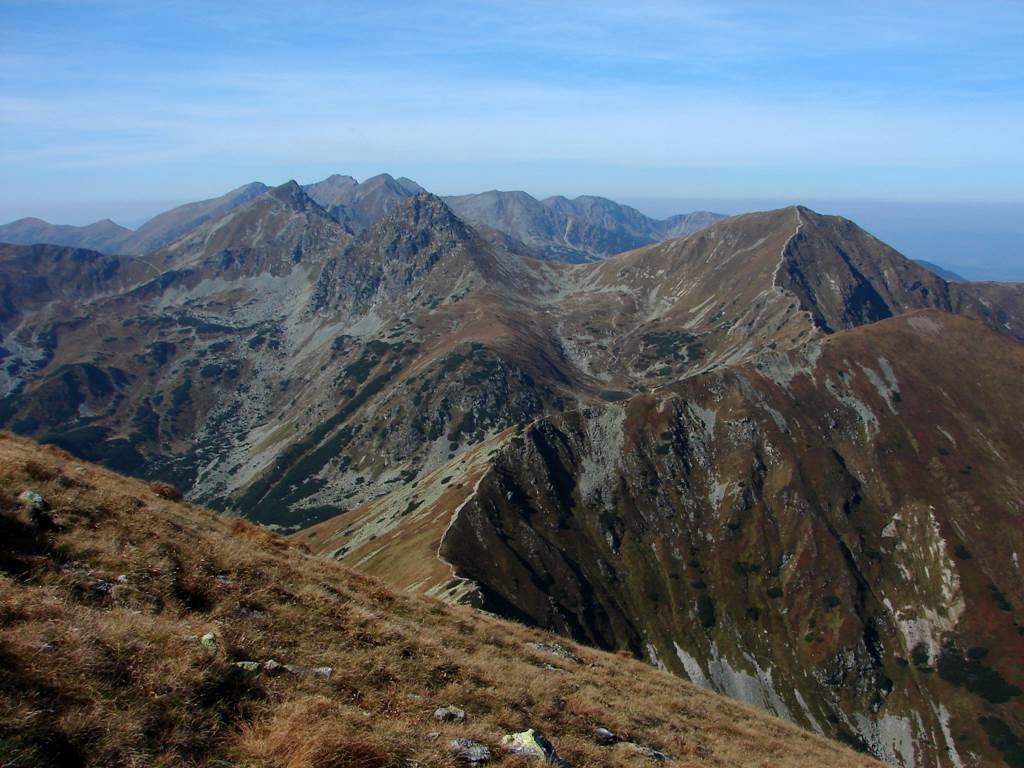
(846, 277)
(291, 194)
(412, 240)
(412, 224)
(336, 189)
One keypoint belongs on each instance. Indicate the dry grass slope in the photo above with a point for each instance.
(103, 599)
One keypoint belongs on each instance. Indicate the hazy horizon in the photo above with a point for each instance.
(977, 240)
(121, 110)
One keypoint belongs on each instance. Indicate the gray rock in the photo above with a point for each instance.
(248, 666)
(469, 750)
(556, 649)
(272, 668)
(209, 642)
(648, 752)
(324, 673)
(604, 736)
(32, 501)
(449, 714)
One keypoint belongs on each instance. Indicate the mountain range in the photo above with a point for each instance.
(557, 228)
(771, 455)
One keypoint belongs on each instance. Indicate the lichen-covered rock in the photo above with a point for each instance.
(248, 666)
(209, 642)
(531, 742)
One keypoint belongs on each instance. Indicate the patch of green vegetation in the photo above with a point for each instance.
(314, 515)
(360, 369)
(742, 568)
(706, 610)
(92, 444)
(452, 362)
(161, 351)
(961, 552)
(181, 395)
(1009, 744)
(919, 655)
(968, 672)
(220, 370)
(614, 396)
(999, 599)
(831, 602)
(146, 423)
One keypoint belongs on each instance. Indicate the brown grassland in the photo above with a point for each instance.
(103, 599)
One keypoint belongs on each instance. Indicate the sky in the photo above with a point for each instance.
(122, 109)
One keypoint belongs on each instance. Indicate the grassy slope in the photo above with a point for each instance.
(100, 670)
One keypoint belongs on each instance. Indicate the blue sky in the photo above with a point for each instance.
(129, 106)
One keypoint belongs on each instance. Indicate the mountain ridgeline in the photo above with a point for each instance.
(584, 229)
(771, 455)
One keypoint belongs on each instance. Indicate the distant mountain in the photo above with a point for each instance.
(579, 230)
(170, 225)
(358, 205)
(945, 274)
(108, 237)
(102, 235)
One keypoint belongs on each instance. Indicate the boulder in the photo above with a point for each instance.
(470, 751)
(272, 667)
(604, 736)
(32, 501)
(209, 642)
(449, 714)
(532, 743)
(324, 673)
